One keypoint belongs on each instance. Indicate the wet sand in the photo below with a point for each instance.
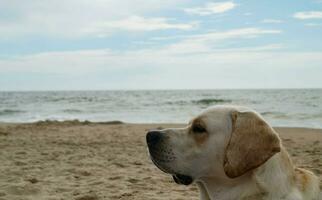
(91, 161)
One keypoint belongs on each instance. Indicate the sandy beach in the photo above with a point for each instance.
(92, 161)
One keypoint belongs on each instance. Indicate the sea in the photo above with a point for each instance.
(280, 107)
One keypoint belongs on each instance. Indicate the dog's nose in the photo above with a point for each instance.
(153, 137)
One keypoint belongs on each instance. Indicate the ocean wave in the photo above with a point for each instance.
(10, 112)
(72, 111)
(209, 101)
(275, 114)
(303, 116)
(74, 122)
(69, 99)
(177, 102)
(270, 113)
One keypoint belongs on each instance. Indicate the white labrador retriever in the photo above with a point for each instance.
(231, 153)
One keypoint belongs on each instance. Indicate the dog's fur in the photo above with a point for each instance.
(232, 153)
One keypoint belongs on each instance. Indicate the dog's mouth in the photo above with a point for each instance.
(162, 165)
(162, 158)
(160, 161)
(182, 179)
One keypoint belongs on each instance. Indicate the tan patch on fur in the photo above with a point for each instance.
(302, 178)
(199, 138)
(198, 121)
(251, 144)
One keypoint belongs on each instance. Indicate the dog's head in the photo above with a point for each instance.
(222, 141)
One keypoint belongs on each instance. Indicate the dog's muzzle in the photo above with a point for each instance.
(161, 157)
(158, 154)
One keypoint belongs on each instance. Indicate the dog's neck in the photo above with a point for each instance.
(272, 180)
(224, 189)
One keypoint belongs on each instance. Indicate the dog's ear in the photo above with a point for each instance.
(251, 144)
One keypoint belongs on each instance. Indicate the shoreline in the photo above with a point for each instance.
(106, 160)
(117, 122)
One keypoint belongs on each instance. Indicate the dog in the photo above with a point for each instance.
(231, 153)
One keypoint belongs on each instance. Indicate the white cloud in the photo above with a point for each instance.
(211, 8)
(194, 58)
(269, 47)
(157, 69)
(75, 18)
(137, 23)
(202, 43)
(96, 60)
(308, 15)
(271, 21)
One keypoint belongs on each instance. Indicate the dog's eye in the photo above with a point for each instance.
(198, 129)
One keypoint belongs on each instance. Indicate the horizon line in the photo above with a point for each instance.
(158, 89)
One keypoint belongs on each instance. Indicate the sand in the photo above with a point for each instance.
(87, 161)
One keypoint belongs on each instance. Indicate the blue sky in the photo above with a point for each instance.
(160, 44)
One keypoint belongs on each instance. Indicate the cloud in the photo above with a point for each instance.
(201, 43)
(196, 59)
(159, 69)
(73, 18)
(84, 61)
(271, 21)
(308, 15)
(137, 23)
(211, 8)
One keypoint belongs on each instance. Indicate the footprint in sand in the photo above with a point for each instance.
(33, 180)
(115, 178)
(4, 133)
(133, 180)
(20, 163)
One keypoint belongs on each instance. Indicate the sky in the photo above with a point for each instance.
(160, 44)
